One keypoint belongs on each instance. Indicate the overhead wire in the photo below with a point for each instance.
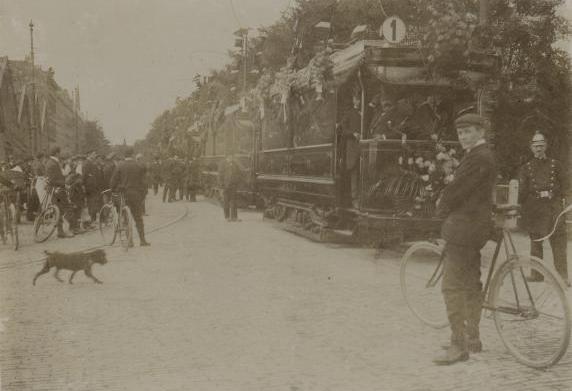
(235, 14)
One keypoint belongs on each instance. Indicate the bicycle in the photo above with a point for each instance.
(532, 318)
(47, 220)
(9, 224)
(115, 219)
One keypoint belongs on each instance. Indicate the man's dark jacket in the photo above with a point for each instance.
(54, 173)
(466, 202)
(90, 176)
(129, 175)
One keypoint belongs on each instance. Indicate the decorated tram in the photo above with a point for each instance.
(356, 146)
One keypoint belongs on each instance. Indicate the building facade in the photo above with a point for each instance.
(15, 118)
(56, 118)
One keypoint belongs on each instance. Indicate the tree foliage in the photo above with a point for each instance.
(532, 87)
(94, 138)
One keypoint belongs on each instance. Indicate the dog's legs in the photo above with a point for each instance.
(71, 277)
(87, 272)
(57, 276)
(45, 270)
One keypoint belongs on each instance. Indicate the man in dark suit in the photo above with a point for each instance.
(155, 174)
(129, 179)
(55, 179)
(541, 194)
(166, 168)
(229, 177)
(466, 204)
(350, 130)
(90, 173)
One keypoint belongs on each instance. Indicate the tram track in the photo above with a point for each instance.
(24, 263)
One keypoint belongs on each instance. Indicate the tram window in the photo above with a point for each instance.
(315, 120)
(275, 131)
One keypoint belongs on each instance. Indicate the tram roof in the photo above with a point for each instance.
(401, 64)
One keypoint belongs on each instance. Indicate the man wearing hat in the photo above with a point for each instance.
(541, 194)
(108, 168)
(155, 174)
(466, 204)
(92, 186)
(56, 179)
(129, 178)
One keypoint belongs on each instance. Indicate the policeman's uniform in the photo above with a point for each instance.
(541, 194)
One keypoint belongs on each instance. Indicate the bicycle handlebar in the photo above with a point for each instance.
(564, 211)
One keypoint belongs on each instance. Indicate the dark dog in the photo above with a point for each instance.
(74, 262)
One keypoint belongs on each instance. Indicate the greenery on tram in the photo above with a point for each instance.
(532, 90)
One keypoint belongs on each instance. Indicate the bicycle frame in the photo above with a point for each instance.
(47, 200)
(504, 239)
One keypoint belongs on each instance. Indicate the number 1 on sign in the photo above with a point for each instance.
(393, 29)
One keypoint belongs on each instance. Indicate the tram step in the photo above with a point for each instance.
(342, 232)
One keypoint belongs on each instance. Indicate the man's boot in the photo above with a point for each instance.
(457, 351)
(141, 232)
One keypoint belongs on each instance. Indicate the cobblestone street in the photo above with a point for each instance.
(232, 306)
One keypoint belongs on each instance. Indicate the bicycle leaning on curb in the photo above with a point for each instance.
(533, 319)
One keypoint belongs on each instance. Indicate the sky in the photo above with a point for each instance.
(130, 58)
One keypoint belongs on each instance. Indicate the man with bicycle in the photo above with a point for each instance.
(55, 179)
(129, 178)
(541, 194)
(466, 204)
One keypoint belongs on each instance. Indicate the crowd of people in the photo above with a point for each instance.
(82, 176)
(181, 178)
(77, 184)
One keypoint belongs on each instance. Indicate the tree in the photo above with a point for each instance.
(534, 86)
(95, 139)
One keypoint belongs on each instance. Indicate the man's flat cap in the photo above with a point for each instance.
(471, 119)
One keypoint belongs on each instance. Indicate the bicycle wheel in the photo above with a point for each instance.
(421, 272)
(126, 228)
(46, 223)
(108, 223)
(11, 228)
(532, 318)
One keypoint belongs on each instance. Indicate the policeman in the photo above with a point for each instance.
(541, 195)
(129, 178)
(466, 204)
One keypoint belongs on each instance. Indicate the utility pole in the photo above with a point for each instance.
(32, 135)
(244, 60)
(242, 42)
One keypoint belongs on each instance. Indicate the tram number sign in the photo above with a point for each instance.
(393, 29)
